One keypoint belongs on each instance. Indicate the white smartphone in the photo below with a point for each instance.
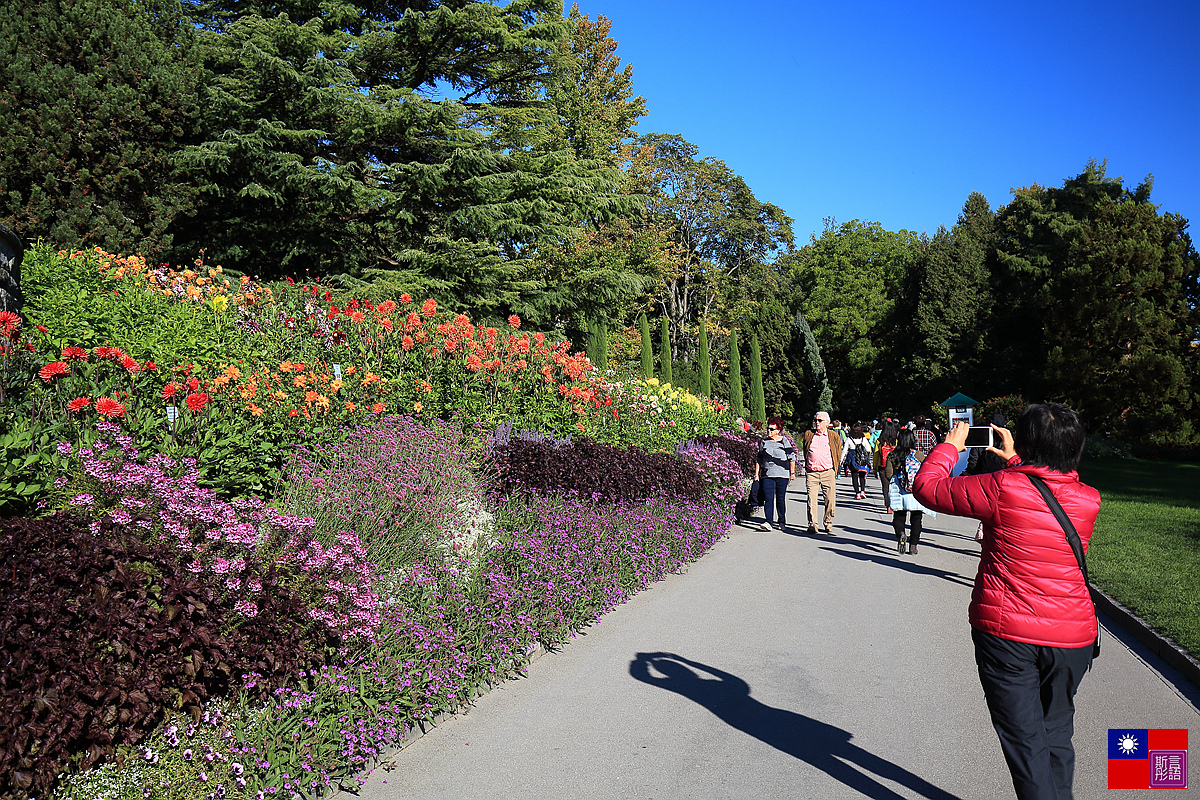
(982, 436)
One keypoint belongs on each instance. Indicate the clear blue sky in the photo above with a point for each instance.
(895, 112)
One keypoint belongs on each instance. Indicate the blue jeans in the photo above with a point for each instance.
(775, 490)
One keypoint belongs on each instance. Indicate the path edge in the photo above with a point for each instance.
(1160, 645)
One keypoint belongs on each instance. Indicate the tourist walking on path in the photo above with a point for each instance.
(1032, 619)
(926, 438)
(899, 470)
(885, 443)
(822, 456)
(776, 465)
(856, 452)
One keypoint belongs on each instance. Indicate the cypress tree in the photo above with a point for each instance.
(705, 363)
(735, 377)
(664, 353)
(647, 351)
(593, 342)
(602, 345)
(758, 404)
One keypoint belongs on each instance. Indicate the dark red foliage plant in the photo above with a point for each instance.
(101, 634)
(596, 470)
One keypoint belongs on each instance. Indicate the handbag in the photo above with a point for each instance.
(1073, 540)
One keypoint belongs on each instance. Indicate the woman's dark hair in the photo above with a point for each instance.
(858, 426)
(777, 422)
(889, 433)
(906, 442)
(1049, 435)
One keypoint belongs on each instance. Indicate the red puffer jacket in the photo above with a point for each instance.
(1029, 587)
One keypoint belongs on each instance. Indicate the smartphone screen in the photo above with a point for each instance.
(980, 436)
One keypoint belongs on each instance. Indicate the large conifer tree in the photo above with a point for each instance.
(400, 145)
(1097, 304)
(95, 96)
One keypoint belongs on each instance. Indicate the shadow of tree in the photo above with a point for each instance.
(823, 746)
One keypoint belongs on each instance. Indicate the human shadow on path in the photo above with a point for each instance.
(915, 567)
(823, 746)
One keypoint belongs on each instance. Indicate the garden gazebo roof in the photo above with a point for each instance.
(958, 401)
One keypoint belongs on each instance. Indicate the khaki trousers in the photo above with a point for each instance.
(826, 482)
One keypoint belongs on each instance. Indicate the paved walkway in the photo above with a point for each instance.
(779, 666)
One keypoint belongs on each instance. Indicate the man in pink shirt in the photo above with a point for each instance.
(822, 454)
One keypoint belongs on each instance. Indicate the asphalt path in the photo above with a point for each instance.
(780, 665)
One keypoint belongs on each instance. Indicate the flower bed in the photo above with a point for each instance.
(256, 463)
(444, 622)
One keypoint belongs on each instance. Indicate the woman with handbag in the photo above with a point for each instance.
(1031, 613)
(899, 470)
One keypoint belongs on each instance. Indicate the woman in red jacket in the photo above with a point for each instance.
(1032, 618)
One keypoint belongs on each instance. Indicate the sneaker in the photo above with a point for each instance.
(764, 526)
(812, 530)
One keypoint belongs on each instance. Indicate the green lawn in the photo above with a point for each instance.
(1146, 549)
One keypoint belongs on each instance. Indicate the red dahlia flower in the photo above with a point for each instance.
(514, 322)
(169, 391)
(108, 407)
(196, 401)
(74, 354)
(131, 364)
(429, 307)
(53, 370)
(9, 322)
(78, 404)
(406, 298)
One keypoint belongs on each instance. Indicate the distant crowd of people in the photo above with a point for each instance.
(1033, 623)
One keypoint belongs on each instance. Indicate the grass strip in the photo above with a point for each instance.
(1146, 548)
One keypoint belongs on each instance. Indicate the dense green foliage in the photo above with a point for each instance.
(704, 363)
(1084, 294)
(95, 96)
(485, 154)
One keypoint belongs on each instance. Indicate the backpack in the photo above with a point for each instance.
(860, 455)
(908, 473)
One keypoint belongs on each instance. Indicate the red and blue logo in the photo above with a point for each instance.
(1147, 758)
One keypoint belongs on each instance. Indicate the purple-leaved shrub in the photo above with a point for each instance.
(599, 471)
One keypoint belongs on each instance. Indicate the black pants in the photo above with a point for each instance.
(914, 535)
(1030, 692)
(859, 479)
(776, 492)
